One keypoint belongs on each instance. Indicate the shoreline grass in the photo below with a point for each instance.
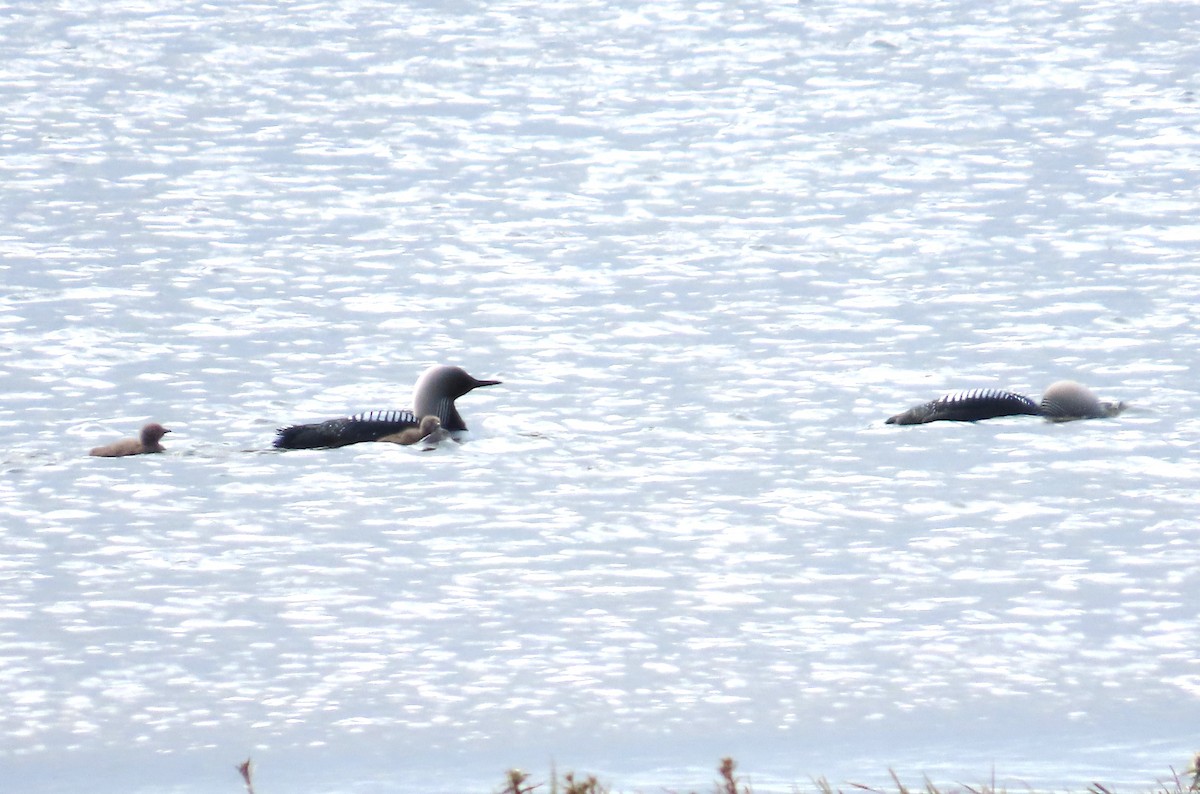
(518, 781)
(728, 782)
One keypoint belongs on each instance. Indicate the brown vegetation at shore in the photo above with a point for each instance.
(518, 782)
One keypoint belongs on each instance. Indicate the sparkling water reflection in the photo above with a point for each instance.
(708, 250)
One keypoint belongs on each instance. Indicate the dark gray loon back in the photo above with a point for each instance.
(347, 430)
(969, 406)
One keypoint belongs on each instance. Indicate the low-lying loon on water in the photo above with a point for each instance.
(1063, 401)
(148, 442)
(434, 395)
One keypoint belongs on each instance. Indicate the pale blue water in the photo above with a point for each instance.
(708, 249)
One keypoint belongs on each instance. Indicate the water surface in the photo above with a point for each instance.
(708, 249)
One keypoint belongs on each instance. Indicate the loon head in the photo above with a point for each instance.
(153, 433)
(438, 388)
(1065, 400)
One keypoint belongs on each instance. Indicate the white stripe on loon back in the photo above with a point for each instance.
(985, 394)
(405, 417)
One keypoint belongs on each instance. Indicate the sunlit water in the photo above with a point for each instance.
(708, 249)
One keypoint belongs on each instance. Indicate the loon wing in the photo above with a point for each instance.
(969, 406)
(369, 426)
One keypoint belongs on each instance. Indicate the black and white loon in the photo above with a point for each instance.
(434, 395)
(1063, 401)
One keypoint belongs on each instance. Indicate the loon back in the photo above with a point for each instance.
(968, 406)
(347, 430)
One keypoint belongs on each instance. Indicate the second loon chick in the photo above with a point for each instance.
(147, 443)
(429, 431)
(1063, 401)
(435, 393)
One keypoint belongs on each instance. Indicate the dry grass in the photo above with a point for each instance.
(728, 782)
(244, 769)
(517, 782)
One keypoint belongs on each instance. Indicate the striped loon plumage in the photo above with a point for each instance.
(406, 418)
(434, 395)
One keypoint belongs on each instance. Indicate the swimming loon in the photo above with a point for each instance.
(435, 393)
(147, 443)
(1062, 401)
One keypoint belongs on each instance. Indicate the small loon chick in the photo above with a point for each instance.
(434, 395)
(1066, 400)
(1063, 401)
(148, 442)
(430, 431)
(968, 406)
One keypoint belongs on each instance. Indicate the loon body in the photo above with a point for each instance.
(345, 430)
(148, 442)
(968, 406)
(1063, 401)
(434, 395)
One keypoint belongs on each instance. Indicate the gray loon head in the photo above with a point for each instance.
(1066, 400)
(152, 434)
(438, 388)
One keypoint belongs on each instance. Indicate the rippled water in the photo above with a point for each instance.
(708, 248)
